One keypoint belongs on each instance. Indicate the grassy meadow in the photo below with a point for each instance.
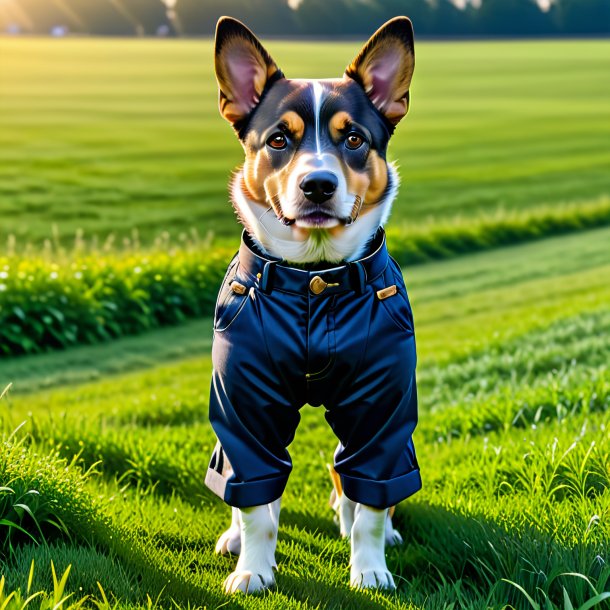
(506, 177)
(111, 136)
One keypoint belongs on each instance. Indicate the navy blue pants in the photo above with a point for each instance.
(340, 337)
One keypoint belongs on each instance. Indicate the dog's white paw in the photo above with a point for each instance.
(229, 542)
(368, 565)
(248, 582)
(393, 537)
(372, 579)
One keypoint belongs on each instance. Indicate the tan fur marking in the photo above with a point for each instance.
(294, 123)
(369, 184)
(378, 174)
(256, 170)
(276, 184)
(338, 123)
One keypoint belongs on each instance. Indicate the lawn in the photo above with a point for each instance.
(513, 444)
(108, 136)
(104, 446)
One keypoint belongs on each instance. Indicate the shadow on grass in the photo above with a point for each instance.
(309, 523)
(447, 558)
(476, 555)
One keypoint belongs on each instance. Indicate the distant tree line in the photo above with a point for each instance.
(306, 17)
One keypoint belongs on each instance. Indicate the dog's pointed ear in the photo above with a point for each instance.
(243, 68)
(384, 68)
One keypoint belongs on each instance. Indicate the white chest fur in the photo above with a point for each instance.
(316, 245)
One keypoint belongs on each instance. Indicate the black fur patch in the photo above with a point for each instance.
(284, 95)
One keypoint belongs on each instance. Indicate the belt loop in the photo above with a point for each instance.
(266, 283)
(357, 275)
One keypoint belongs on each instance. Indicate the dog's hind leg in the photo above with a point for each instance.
(254, 570)
(344, 507)
(345, 512)
(392, 536)
(368, 567)
(230, 541)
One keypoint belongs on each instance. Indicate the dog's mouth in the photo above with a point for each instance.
(317, 219)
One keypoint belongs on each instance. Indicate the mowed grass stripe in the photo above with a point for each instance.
(566, 345)
(93, 362)
(467, 304)
(92, 130)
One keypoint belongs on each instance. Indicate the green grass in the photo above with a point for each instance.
(103, 482)
(106, 136)
(513, 443)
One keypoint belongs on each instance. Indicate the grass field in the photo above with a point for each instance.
(106, 136)
(513, 444)
(104, 447)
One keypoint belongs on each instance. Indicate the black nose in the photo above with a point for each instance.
(319, 186)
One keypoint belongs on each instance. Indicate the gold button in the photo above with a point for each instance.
(317, 285)
(238, 288)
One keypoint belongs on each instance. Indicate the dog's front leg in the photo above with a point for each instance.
(230, 541)
(254, 570)
(346, 510)
(368, 565)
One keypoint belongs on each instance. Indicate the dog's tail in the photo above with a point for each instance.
(337, 491)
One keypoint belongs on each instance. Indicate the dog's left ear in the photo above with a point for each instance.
(243, 68)
(384, 68)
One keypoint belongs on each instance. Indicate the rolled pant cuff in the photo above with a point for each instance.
(245, 494)
(381, 494)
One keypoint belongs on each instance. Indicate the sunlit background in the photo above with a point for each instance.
(304, 17)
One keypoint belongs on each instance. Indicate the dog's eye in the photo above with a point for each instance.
(277, 141)
(354, 140)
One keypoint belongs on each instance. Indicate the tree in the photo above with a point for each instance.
(263, 16)
(150, 14)
(42, 15)
(588, 17)
(511, 18)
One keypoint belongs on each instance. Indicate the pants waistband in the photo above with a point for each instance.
(277, 275)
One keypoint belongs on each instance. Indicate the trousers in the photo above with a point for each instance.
(341, 337)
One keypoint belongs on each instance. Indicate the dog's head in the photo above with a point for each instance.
(315, 149)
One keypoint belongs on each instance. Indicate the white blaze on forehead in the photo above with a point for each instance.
(318, 93)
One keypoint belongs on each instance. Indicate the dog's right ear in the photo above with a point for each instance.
(243, 69)
(384, 68)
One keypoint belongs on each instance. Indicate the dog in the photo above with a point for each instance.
(312, 309)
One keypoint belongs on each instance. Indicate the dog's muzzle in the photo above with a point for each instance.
(347, 220)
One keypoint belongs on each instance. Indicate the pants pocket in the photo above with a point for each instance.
(232, 298)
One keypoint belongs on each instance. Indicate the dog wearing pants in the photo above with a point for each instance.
(312, 309)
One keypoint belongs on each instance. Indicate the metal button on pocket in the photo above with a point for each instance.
(238, 288)
(386, 293)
